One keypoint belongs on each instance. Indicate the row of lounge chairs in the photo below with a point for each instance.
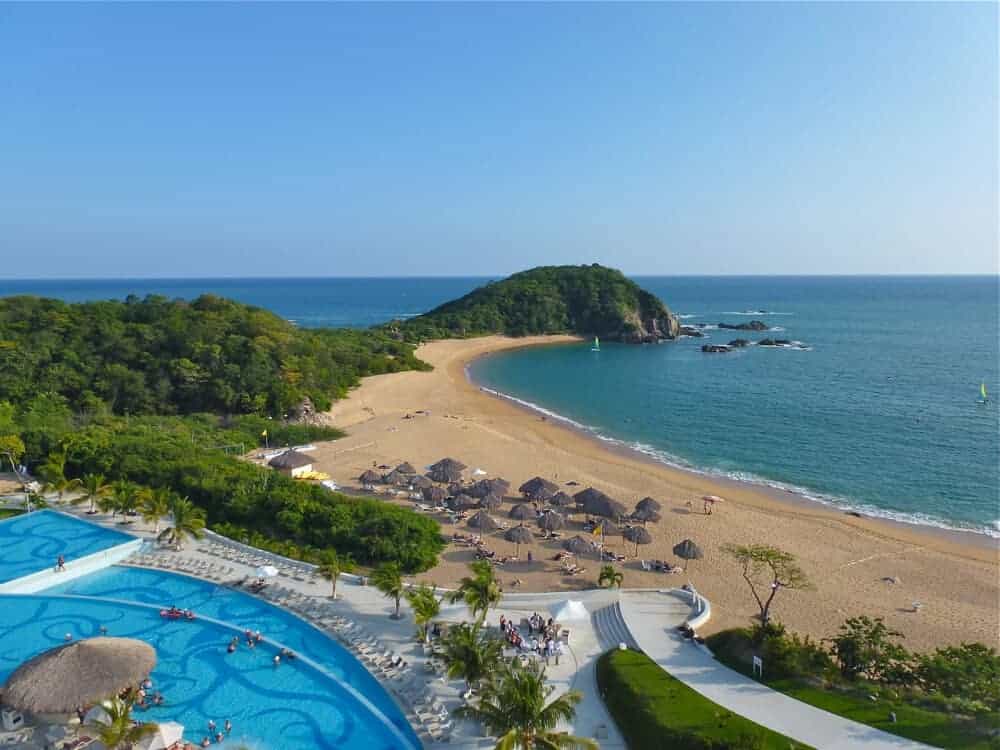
(294, 570)
(199, 568)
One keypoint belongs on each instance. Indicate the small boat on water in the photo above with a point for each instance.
(983, 398)
(597, 345)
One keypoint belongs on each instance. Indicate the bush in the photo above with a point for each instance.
(784, 655)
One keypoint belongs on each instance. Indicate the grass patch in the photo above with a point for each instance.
(914, 722)
(9, 512)
(654, 710)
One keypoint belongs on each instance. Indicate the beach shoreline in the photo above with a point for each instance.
(421, 417)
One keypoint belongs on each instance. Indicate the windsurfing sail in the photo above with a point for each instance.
(597, 345)
(982, 391)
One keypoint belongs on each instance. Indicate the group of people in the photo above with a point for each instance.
(542, 637)
(252, 639)
(216, 734)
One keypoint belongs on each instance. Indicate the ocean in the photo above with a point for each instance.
(874, 408)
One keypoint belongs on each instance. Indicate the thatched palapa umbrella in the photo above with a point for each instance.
(484, 522)
(370, 478)
(648, 503)
(522, 512)
(687, 551)
(62, 679)
(396, 479)
(491, 502)
(406, 468)
(552, 521)
(562, 500)
(484, 487)
(464, 502)
(519, 535)
(645, 515)
(596, 503)
(419, 482)
(577, 545)
(446, 470)
(538, 488)
(639, 535)
(434, 495)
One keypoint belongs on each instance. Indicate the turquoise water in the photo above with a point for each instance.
(293, 707)
(878, 412)
(34, 541)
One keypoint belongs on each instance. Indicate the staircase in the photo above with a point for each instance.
(611, 628)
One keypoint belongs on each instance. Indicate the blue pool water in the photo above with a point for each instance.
(33, 541)
(291, 707)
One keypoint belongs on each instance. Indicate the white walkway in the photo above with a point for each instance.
(651, 620)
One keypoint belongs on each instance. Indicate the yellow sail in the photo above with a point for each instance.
(982, 390)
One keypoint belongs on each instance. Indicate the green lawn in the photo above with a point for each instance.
(9, 512)
(913, 722)
(655, 711)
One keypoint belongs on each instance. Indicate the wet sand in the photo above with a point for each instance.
(955, 577)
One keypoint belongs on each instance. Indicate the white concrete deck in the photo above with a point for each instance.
(652, 621)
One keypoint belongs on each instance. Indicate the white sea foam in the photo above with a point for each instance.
(668, 459)
(753, 312)
(685, 316)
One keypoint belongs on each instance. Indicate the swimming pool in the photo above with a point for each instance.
(32, 542)
(295, 706)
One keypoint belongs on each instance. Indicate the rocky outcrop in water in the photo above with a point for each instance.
(715, 348)
(692, 331)
(739, 343)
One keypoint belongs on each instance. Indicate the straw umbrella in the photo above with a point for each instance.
(519, 535)
(639, 535)
(464, 502)
(396, 479)
(644, 515)
(406, 468)
(522, 512)
(597, 503)
(81, 673)
(577, 545)
(562, 500)
(687, 551)
(370, 478)
(491, 503)
(419, 482)
(538, 488)
(484, 487)
(446, 470)
(484, 522)
(648, 503)
(552, 521)
(434, 495)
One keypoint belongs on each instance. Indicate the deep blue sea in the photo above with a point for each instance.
(877, 411)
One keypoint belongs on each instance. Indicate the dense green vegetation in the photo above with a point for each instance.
(590, 300)
(654, 710)
(948, 698)
(161, 356)
(194, 456)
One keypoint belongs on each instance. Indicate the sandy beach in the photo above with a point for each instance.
(955, 577)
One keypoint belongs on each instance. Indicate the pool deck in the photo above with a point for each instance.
(367, 607)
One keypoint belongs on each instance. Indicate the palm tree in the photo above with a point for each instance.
(330, 567)
(469, 653)
(186, 521)
(125, 496)
(480, 591)
(515, 707)
(94, 488)
(426, 606)
(154, 505)
(610, 577)
(388, 578)
(53, 473)
(120, 733)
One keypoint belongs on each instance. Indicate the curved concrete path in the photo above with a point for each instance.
(650, 618)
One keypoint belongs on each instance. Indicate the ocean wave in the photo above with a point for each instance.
(754, 312)
(685, 316)
(847, 505)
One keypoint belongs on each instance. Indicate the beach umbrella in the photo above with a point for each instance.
(538, 488)
(648, 503)
(369, 478)
(562, 500)
(266, 571)
(610, 528)
(709, 502)
(484, 522)
(596, 503)
(645, 514)
(577, 545)
(552, 521)
(446, 470)
(688, 550)
(464, 502)
(639, 535)
(491, 502)
(522, 512)
(406, 468)
(484, 487)
(519, 535)
(434, 495)
(419, 482)
(395, 478)
(167, 734)
(80, 673)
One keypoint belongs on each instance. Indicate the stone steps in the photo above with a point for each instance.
(611, 628)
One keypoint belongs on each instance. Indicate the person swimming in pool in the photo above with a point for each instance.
(60, 564)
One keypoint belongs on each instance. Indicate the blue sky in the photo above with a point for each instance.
(398, 139)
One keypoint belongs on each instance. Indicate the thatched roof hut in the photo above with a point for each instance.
(519, 535)
(538, 488)
(62, 679)
(597, 503)
(483, 521)
(552, 521)
(577, 545)
(446, 470)
(406, 468)
(562, 500)
(369, 477)
(484, 487)
(491, 502)
(648, 503)
(522, 512)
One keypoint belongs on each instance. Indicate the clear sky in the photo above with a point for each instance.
(382, 139)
